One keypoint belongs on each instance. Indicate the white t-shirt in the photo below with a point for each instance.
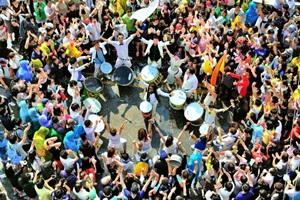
(67, 162)
(269, 179)
(82, 194)
(224, 194)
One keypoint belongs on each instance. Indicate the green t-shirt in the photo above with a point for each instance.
(40, 15)
(129, 22)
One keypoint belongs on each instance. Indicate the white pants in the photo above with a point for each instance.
(121, 62)
(97, 69)
(158, 62)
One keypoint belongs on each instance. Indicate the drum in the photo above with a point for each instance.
(100, 126)
(94, 103)
(175, 161)
(146, 108)
(106, 68)
(150, 74)
(178, 99)
(203, 129)
(123, 76)
(193, 113)
(92, 87)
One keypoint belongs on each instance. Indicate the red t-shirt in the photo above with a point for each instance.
(296, 129)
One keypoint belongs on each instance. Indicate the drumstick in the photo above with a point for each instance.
(168, 86)
(200, 97)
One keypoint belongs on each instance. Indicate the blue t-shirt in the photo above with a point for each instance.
(96, 34)
(201, 145)
(246, 196)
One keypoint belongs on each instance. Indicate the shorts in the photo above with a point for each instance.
(9, 26)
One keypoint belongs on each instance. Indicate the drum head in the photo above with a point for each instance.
(203, 128)
(193, 112)
(178, 98)
(123, 76)
(149, 73)
(94, 103)
(145, 107)
(100, 126)
(93, 84)
(106, 68)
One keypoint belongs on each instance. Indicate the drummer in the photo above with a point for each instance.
(76, 71)
(152, 95)
(155, 50)
(190, 81)
(90, 128)
(98, 52)
(122, 48)
(174, 70)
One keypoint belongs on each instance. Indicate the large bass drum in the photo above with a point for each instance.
(123, 76)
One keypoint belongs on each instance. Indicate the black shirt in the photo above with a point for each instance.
(154, 53)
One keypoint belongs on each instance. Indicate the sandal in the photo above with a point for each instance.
(137, 54)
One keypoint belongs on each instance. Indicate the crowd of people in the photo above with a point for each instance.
(245, 55)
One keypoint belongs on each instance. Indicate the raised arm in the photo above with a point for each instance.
(106, 126)
(181, 133)
(122, 127)
(25, 134)
(160, 134)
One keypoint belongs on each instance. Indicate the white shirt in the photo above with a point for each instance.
(67, 162)
(75, 71)
(160, 46)
(269, 179)
(49, 10)
(15, 64)
(228, 141)
(224, 194)
(82, 194)
(4, 72)
(152, 97)
(260, 23)
(71, 92)
(122, 50)
(294, 163)
(190, 83)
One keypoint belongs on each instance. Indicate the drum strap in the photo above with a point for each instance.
(101, 61)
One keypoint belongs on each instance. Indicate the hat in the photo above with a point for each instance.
(44, 101)
(70, 123)
(42, 30)
(230, 33)
(178, 26)
(228, 154)
(134, 188)
(291, 27)
(289, 51)
(163, 154)
(195, 41)
(49, 25)
(274, 110)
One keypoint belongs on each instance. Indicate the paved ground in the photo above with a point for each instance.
(120, 103)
